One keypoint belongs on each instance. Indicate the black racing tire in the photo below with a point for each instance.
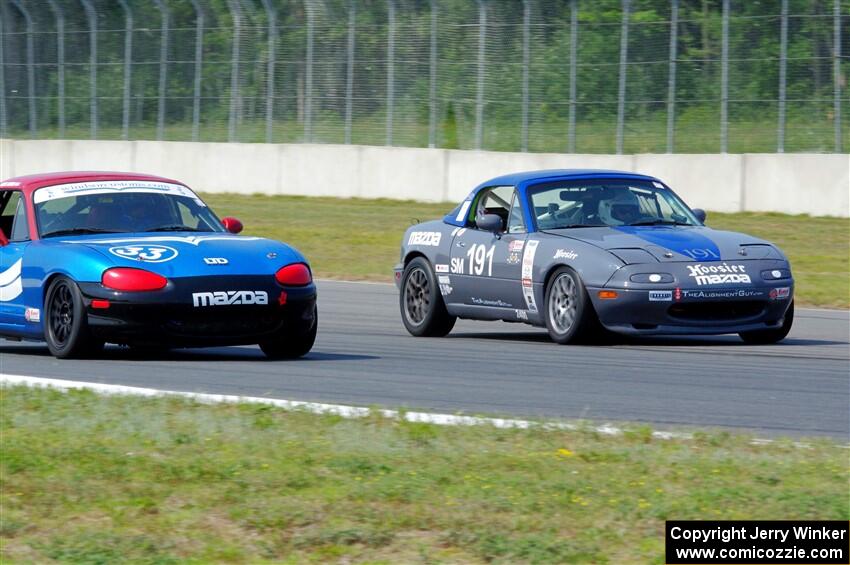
(567, 310)
(66, 328)
(292, 345)
(423, 311)
(765, 337)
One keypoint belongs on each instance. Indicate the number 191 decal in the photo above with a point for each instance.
(478, 255)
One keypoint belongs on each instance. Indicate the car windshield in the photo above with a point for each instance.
(600, 202)
(120, 207)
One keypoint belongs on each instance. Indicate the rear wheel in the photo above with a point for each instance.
(66, 328)
(292, 345)
(423, 310)
(568, 311)
(763, 337)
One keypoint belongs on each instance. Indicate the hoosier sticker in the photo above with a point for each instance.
(527, 274)
(723, 273)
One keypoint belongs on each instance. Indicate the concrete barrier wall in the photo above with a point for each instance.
(816, 184)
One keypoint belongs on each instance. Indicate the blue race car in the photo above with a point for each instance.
(583, 250)
(140, 260)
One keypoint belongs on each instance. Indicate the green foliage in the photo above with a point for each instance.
(754, 35)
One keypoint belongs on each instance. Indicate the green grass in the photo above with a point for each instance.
(360, 239)
(93, 479)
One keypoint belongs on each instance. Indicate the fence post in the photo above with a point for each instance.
(621, 89)
(199, 58)
(236, 14)
(571, 132)
(671, 78)
(308, 73)
(479, 96)
(349, 69)
(526, 61)
(91, 15)
(30, 67)
(390, 68)
(836, 71)
(163, 68)
(783, 60)
(60, 64)
(432, 83)
(724, 81)
(3, 123)
(128, 64)
(271, 14)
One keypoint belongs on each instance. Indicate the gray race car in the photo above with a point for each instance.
(577, 251)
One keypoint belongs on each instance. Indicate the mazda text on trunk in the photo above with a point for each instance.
(585, 251)
(139, 260)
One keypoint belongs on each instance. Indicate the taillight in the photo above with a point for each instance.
(132, 280)
(297, 274)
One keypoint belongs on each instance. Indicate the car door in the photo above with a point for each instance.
(486, 267)
(13, 223)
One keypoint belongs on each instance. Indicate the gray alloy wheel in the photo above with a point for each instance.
(568, 311)
(423, 311)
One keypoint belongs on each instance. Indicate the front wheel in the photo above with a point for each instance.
(423, 310)
(66, 329)
(568, 311)
(764, 337)
(292, 345)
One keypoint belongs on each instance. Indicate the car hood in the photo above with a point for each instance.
(673, 243)
(188, 254)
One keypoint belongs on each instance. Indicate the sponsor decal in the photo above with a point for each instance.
(443, 279)
(486, 302)
(660, 295)
(723, 273)
(271, 255)
(516, 245)
(215, 261)
(464, 208)
(32, 315)
(521, 315)
(111, 187)
(565, 254)
(457, 265)
(446, 289)
(11, 286)
(527, 274)
(146, 253)
(441, 268)
(711, 294)
(513, 259)
(230, 298)
(780, 293)
(426, 238)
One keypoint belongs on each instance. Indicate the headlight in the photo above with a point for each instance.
(652, 278)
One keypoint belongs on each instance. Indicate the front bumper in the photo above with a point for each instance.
(682, 306)
(202, 312)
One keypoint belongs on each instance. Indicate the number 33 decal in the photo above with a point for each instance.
(478, 255)
(146, 253)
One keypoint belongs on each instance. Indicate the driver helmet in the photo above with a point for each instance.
(622, 208)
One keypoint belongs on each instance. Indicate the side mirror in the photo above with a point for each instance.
(490, 222)
(700, 214)
(232, 224)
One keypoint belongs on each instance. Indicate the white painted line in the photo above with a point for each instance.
(341, 409)
(316, 407)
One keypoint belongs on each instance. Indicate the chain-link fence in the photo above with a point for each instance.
(587, 76)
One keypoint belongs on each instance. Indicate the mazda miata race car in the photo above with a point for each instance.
(584, 251)
(139, 260)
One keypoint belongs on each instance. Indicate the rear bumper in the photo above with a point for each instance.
(201, 312)
(693, 311)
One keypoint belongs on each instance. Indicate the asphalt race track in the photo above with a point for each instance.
(363, 356)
